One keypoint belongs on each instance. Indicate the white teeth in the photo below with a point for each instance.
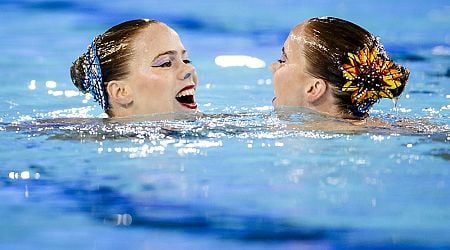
(186, 92)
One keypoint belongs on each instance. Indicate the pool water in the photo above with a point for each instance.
(240, 177)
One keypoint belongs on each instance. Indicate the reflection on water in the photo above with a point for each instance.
(283, 122)
(282, 181)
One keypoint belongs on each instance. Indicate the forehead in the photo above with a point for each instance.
(155, 39)
(295, 40)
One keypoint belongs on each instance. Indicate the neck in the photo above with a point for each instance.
(118, 111)
(327, 104)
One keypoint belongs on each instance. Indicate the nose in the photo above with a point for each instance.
(274, 67)
(187, 72)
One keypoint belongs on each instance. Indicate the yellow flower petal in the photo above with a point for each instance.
(353, 97)
(348, 75)
(363, 54)
(395, 73)
(350, 72)
(375, 95)
(386, 94)
(362, 97)
(392, 84)
(347, 86)
(373, 55)
(386, 66)
(353, 58)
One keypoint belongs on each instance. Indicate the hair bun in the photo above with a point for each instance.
(370, 75)
(78, 74)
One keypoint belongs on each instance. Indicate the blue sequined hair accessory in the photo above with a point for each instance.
(93, 81)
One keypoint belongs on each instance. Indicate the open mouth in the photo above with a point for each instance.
(186, 97)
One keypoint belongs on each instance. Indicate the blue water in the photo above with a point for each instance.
(240, 177)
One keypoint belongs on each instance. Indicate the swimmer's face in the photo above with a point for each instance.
(161, 78)
(290, 76)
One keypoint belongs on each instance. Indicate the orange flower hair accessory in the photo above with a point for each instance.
(370, 76)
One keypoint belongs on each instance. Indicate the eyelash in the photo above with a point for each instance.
(169, 63)
(281, 61)
(166, 64)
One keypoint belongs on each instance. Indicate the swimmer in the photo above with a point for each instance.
(336, 68)
(136, 68)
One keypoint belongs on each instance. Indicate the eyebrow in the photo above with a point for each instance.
(169, 52)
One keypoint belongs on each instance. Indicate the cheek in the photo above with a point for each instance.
(157, 83)
(152, 76)
(281, 79)
(152, 87)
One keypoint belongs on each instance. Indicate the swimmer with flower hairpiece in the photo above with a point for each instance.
(335, 67)
(135, 68)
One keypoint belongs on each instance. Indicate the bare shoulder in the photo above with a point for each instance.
(372, 124)
(331, 125)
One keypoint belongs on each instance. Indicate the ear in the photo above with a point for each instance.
(316, 89)
(119, 92)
